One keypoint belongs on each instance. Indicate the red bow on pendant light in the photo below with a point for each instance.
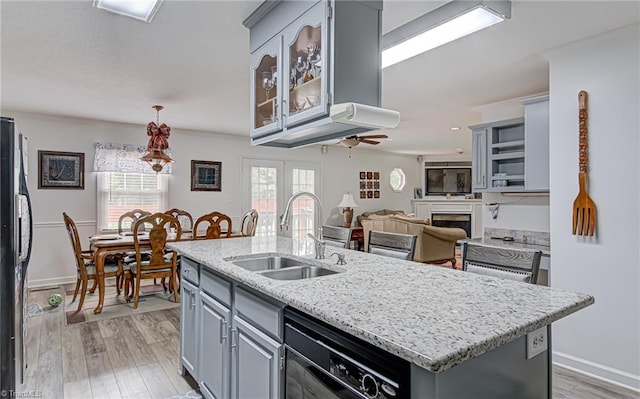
(158, 142)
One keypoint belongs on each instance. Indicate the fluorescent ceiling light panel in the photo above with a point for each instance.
(142, 10)
(424, 34)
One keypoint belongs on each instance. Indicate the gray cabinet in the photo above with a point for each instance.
(256, 363)
(536, 136)
(513, 155)
(231, 337)
(189, 327)
(479, 159)
(213, 345)
(298, 71)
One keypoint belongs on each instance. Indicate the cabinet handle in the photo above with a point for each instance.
(234, 342)
(192, 301)
(223, 328)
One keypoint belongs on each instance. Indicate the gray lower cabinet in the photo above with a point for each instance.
(213, 347)
(231, 338)
(189, 327)
(256, 363)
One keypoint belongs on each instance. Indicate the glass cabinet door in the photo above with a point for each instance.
(266, 88)
(306, 66)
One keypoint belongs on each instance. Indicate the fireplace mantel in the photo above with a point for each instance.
(424, 208)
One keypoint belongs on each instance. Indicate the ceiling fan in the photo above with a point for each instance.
(353, 141)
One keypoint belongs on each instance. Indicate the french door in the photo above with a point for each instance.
(268, 186)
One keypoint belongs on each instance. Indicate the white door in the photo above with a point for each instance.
(268, 186)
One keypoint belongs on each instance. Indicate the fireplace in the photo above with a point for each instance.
(461, 220)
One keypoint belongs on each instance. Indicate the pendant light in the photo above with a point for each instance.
(158, 143)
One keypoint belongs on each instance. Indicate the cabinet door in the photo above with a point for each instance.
(214, 349)
(266, 88)
(479, 159)
(306, 63)
(189, 327)
(536, 137)
(256, 363)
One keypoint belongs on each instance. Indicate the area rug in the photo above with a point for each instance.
(152, 297)
(34, 309)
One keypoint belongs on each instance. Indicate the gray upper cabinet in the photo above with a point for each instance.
(266, 92)
(297, 70)
(479, 159)
(536, 135)
(513, 155)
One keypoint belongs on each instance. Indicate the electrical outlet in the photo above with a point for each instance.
(537, 342)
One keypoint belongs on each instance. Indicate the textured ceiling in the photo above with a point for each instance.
(67, 58)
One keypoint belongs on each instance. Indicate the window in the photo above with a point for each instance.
(126, 183)
(397, 180)
(122, 192)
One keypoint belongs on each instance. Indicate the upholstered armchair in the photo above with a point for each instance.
(433, 244)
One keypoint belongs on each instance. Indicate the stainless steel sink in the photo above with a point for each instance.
(298, 273)
(267, 263)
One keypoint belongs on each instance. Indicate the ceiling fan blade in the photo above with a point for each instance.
(370, 141)
(375, 136)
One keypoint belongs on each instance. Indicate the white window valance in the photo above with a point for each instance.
(125, 158)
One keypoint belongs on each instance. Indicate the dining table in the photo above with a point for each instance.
(105, 244)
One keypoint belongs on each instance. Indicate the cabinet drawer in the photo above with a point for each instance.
(215, 286)
(261, 313)
(189, 270)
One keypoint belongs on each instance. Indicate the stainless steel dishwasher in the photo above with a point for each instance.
(324, 362)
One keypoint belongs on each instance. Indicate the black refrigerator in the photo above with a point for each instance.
(15, 250)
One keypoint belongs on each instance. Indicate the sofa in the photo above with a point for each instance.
(433, 244)
(373, 214)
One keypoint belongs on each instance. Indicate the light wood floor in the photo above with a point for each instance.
(139, 356)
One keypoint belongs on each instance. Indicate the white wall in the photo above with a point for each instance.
(52, 260)
(517, 212)
(603, 339)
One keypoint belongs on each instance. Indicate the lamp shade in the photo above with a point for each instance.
(347, 202)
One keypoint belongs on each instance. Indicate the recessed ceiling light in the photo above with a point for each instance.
(454, 128)
(142, 10)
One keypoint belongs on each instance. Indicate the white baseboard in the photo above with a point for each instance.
(599, 371)
(34, 283)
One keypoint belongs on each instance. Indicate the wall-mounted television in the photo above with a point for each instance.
(447, 180)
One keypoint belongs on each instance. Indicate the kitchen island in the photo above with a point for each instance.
(444, 322)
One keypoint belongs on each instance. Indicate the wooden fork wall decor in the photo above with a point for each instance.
(584, 209)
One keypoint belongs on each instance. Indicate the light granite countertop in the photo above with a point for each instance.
(432, 316)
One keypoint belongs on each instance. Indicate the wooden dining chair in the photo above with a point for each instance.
(215, 220)
(510, 263)
(184, 217)
(162, 262)
(336, 236)
(249, 223)
(401, 246)
(85, 266)
(128, 220)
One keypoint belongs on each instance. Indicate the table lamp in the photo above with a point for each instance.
(348, 204)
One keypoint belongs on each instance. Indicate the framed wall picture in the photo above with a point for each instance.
(363, 194)
(376, 194)
(362, 175)
(206, 176)
(369, 194)
(61, 170)
(376, 175)
(369, 175)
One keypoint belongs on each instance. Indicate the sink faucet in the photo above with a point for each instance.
(284, 220)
